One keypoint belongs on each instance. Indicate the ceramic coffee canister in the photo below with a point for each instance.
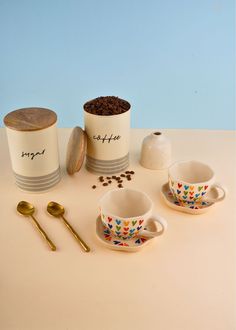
(156, 151)
(108, 138)
(33, 147)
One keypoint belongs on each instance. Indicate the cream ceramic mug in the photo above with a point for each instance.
(126, 212)
(191, 181)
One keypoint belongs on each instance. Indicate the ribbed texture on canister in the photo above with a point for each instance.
(39, 183)
(107, 166)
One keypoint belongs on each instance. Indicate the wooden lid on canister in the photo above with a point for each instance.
(30, 119)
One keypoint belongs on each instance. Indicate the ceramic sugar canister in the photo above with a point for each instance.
(107, 127)
(33, 147)
(156, 151)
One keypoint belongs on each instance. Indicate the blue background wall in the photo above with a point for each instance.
(173, 60)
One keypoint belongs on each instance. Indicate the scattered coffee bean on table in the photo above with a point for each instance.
(107, 180)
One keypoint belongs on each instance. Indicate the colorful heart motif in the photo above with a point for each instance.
(178, 191)
(107, 231)
(191, 193)
(132, 230)
(203, 193)
(204, 203)
(200, 188)
(118, 228)
(179, 185)
(205, 187)
(110, 225)
(126, 223)
(125, 244)
(126, 228)
(138, 241)
(184, 197)
(186, 187)
(117, 233)
(134, 222)
(139, 227)
(125, 233)
(109, 219)
(197, 195)
(116, 242)
(118, 222)
(185, 193)
(140, 221)
(191, 197)
(191, 187)
(108, 238)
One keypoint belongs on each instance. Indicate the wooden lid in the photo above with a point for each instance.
(30, 119)
(76, 150)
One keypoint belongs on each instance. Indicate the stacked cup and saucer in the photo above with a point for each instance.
(126, 221)
(191, 187)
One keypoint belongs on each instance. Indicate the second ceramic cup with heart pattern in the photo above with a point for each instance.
(126, 212)
(190, 182)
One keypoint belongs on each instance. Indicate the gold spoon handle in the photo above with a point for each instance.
(42, 232)
(77, 237)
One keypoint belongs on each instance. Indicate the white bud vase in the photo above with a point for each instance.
(156, 152)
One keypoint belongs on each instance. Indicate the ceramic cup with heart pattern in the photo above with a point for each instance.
(190, 182)
(126, 212)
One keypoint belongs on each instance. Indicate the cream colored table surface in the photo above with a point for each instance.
(184, 280)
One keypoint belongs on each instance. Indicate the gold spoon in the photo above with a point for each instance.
(27, 209)
(58, 210)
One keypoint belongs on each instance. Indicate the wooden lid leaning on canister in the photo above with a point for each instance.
(30, 119)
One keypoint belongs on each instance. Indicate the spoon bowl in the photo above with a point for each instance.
(25, 208)
(55, 209)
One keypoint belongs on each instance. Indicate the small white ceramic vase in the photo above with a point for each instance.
(156, 152)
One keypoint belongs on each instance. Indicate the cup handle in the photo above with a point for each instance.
(161, 221)
(217, 186)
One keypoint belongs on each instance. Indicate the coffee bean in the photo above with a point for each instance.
(108, 178)
(105, 184)
(113, 177)
(107, 106)
(120, 181)
(94, 187)
(132, 172)
(110, 181)
(120, 185)
(126, 172)
(129, 179)
(122, 175)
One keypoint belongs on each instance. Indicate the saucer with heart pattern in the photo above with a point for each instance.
(192, 208)
(134, 244)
